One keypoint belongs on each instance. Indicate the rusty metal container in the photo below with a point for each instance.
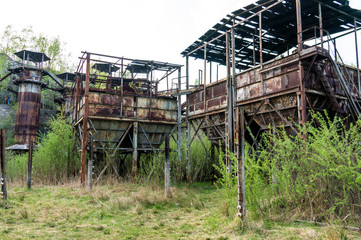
(28, 107)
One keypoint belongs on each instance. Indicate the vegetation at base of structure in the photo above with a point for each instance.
(54, 160)
(137, 211)
(151, 168)
(316, 179)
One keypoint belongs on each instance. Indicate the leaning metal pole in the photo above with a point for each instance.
(179, 128)
(188, 136)
(85, 121)
(166, 167)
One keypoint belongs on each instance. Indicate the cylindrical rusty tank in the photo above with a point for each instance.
(28, 110)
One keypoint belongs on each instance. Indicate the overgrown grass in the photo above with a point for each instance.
(136, 211)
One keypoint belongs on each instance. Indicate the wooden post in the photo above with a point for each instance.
(30, 163)
(3, 165)
(166, 168)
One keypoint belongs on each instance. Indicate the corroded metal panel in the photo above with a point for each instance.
(28, 111)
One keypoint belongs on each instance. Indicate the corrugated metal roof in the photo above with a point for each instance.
(32, 56)
(279, 30)
(105, 67)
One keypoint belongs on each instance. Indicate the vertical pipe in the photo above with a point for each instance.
(205, 79)
(230, 97)
(30, 163)
(234, 82)
(210, 72)
(121, 87)
(299, 25)
(302, 93)
(260, 40)
(320, 23)
(188, 137)
(85, 121)
(242, 168)
(151, 91)
(90, 164)
(357, 58)
(3, 165)
(166, 168)
(135, 150)
(254, 51)
(217, 71)
(179, 128)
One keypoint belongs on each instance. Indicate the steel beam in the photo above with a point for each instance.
(135, 150)
(188, 136)
(85, 121)
(179, 129)
(166, 167)
(357, 59)
(3, 165)
(30, 163)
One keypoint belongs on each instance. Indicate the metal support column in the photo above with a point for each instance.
(90, 164)
(210, 72)
(241, 164)
(179, 128)
(320, 23)
(30, 163)
(85, 121)
(135, 151)
(205, 79)
(302, 94)
(260, 40)
(357, 58)
(188, 136)
(4, 193)
(229, 131)
(166, 167)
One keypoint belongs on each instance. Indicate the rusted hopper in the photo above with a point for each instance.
(281, 62)
(115, 107)
(271, 95)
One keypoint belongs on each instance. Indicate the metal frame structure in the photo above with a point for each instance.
(118, 107)
(266, 85)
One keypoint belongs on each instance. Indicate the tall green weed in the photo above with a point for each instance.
(314, 178)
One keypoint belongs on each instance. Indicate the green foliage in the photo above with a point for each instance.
(227, 183)
(12, 41)
(201, 165)
(54, 159)
(315, 178)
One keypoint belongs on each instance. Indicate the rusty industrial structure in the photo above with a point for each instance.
(282, 62)
(28, 75)
(116, 107)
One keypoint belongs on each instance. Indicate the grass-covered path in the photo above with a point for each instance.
(135, 211)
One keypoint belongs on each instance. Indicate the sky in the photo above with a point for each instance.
(143, 29)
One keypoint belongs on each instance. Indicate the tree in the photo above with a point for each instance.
(13, 41)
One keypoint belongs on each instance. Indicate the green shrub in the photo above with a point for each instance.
(54, 159)
(318, 177)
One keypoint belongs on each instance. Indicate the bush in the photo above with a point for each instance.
(317, 178)
(54, 159)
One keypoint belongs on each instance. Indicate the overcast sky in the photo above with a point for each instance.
(143, 29)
